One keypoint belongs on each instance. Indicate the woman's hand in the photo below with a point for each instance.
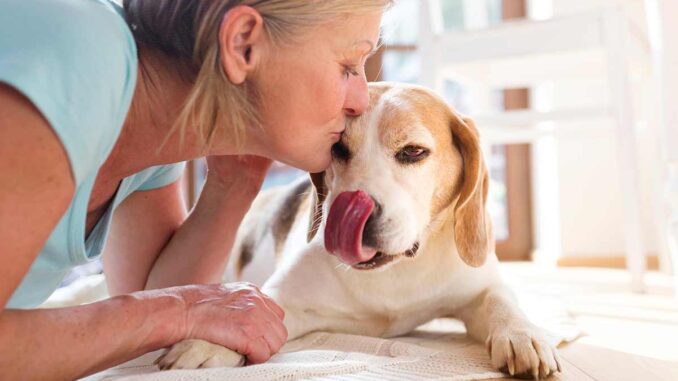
(235, 315)
(244, 171)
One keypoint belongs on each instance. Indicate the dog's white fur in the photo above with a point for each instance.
(450, 275)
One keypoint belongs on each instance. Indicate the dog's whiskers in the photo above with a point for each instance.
(342, 265)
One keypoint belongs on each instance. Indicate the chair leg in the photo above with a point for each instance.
(672, 221)
(430, 26)
(660, 20)
(622, 107)
(546, 203)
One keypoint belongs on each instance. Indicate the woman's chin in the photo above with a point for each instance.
(317, 166)
(312, 164)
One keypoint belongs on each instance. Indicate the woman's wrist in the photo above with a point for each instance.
(218, 190)
(240, 175)
(163, 317)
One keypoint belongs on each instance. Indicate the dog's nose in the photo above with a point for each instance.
(371, 226)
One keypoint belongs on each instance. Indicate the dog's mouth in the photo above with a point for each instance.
(345, 224)
(380, 259)
(344, 233)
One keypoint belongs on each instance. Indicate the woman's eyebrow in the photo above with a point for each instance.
(373, 50)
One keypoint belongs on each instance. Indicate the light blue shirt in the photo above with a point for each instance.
(76, 61)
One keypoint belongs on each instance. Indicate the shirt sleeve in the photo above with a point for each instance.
(163, 175)
(76, 62)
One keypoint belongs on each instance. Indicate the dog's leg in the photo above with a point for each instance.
(513, 343)
(192, 354)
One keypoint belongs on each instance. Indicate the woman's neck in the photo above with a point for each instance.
(145, 139)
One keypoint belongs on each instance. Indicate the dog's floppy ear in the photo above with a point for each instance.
(319, 193)
(472, 227)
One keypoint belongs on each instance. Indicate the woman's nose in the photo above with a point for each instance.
(357, 97)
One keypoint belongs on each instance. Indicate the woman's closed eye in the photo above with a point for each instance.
(351, 70)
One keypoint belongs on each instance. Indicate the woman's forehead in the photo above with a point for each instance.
(356, 32)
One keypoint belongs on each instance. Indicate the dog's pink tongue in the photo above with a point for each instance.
(345, 223)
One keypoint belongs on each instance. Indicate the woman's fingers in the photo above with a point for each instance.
(281, 332)
(240, 317)
(273, 306)
(275, 339)
(273, 329)
(268, 304)
(257, 351)
(267, 328)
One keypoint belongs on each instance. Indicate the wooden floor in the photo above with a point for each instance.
(627, 336)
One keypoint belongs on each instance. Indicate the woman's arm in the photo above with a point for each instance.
(152, 244)
(199, 250)
(36, 187)
(142, 226)
(68, 343)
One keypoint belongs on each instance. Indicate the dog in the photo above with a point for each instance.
(393, 234)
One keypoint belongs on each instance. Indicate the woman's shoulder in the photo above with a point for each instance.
(93, 31)
(76, 61)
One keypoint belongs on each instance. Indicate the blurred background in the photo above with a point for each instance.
(568, 97)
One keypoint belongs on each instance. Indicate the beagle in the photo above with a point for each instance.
(393, 234)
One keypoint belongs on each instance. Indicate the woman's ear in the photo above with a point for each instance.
(241, 37)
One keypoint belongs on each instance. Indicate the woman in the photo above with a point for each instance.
(98, 106)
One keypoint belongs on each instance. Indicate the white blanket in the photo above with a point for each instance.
(438, 350)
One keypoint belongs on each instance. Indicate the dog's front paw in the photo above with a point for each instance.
(192, 354)
(523, 351)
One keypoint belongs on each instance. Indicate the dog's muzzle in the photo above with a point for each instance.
(345, 232)
(345, 225)
(381, 259)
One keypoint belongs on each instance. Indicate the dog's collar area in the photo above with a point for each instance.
(381, 259)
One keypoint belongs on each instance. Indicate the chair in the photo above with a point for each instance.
(579, 45)
(660, 14)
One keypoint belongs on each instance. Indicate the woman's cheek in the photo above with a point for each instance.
(338, 99)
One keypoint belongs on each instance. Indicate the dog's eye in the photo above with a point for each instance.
(340, 151)
(411, 154)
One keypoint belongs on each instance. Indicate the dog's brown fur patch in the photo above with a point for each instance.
(287, 213)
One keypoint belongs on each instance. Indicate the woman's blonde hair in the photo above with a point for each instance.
(187, 30)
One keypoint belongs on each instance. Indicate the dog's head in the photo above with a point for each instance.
(406, 163)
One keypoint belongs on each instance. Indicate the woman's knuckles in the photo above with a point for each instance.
(257, 351)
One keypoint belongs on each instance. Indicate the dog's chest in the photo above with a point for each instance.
(407, 288)
(402, 296)
(414, 292)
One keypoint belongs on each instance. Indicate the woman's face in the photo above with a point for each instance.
(309, 88)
